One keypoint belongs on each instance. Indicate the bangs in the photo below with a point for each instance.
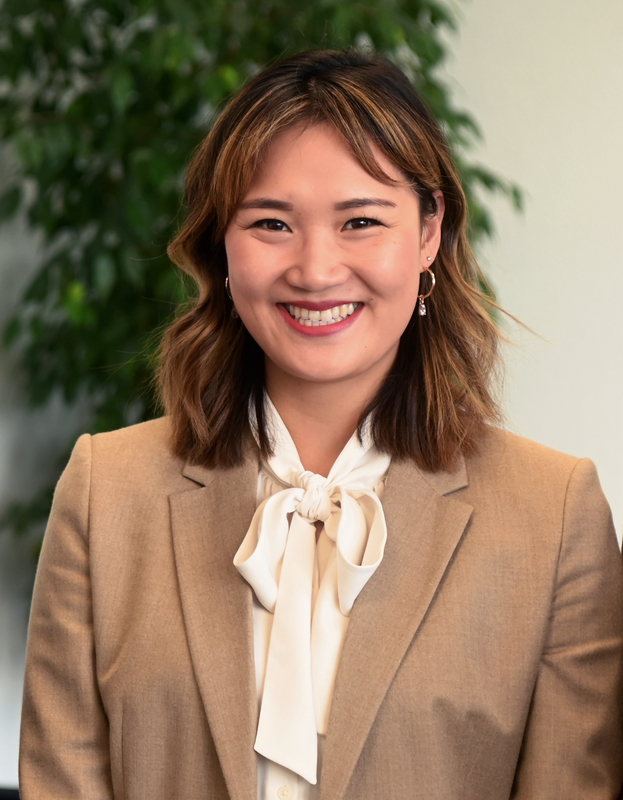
(360, 118)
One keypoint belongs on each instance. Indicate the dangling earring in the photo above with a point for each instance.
(234, 310)
(421, 297)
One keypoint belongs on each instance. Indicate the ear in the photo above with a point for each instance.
(431, 233)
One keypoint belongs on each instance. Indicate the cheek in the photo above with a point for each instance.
(236, 255)
(250, 279)
(397, 272)
(398, 285)
(245, 268)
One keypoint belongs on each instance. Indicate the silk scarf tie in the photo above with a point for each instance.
(278, 559)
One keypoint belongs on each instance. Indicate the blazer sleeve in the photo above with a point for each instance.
(572, 746)
(64, 735)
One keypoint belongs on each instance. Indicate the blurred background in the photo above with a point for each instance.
(101, 103)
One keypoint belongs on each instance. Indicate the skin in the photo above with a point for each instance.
(316, 231)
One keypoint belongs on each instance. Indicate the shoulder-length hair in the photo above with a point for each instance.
(436, 399)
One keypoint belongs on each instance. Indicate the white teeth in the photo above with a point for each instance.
(329, 316)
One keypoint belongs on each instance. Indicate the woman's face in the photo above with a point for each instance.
(325, 261)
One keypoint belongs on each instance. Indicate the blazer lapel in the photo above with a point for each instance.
(424, 528)
(209, 521)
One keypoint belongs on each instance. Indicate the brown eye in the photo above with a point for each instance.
(271, 225)
(361, 223)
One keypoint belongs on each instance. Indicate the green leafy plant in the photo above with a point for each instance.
(101, 104)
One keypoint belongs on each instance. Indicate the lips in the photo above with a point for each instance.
(332, 323)
(314, 317)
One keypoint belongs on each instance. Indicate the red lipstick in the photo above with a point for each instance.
(318, 330)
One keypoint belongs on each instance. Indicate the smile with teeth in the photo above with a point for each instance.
(330, 316)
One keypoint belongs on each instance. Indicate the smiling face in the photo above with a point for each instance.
(325, 261)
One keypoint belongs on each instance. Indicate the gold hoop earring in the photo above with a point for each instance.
(234, 310)
(421, 297)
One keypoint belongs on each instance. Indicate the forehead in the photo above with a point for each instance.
(320, 155)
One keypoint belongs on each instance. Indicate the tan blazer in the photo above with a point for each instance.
(482, 660)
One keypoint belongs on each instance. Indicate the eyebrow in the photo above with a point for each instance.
(345, 205)
(362, 202)
(267, 202)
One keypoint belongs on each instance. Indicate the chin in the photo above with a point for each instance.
(321, 374)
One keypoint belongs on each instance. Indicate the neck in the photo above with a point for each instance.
(320, 418)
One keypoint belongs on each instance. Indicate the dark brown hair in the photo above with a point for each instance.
(436, 400)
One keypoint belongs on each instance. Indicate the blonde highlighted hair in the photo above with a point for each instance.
(437, 398)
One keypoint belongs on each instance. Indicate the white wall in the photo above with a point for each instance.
(545, 80)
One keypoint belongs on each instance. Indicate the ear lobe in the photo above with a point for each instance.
(431, 232)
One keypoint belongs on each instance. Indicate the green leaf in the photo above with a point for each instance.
(122, 89)
(104, 273)
(10, 202)
(74, 302)
(229, 77)
(29, 149)
(11, 331)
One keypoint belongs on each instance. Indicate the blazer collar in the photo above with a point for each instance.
(209, 521)
(425, 525)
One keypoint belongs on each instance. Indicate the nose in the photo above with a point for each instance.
(317, 263)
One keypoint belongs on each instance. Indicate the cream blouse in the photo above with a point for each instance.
(304, 589)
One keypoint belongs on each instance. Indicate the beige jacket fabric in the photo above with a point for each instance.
(482, 661)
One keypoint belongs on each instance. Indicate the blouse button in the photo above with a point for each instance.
(284, 792)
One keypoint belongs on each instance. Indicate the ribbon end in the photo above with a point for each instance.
(304, 768)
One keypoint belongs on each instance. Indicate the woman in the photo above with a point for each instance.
(325, 573)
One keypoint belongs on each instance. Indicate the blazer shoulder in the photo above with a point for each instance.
(517, 467)
(147, 436)
(142, 452)
(500, 447)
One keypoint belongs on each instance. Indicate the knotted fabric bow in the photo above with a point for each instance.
(278, 559)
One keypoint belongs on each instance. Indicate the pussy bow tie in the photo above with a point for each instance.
(278, 557)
